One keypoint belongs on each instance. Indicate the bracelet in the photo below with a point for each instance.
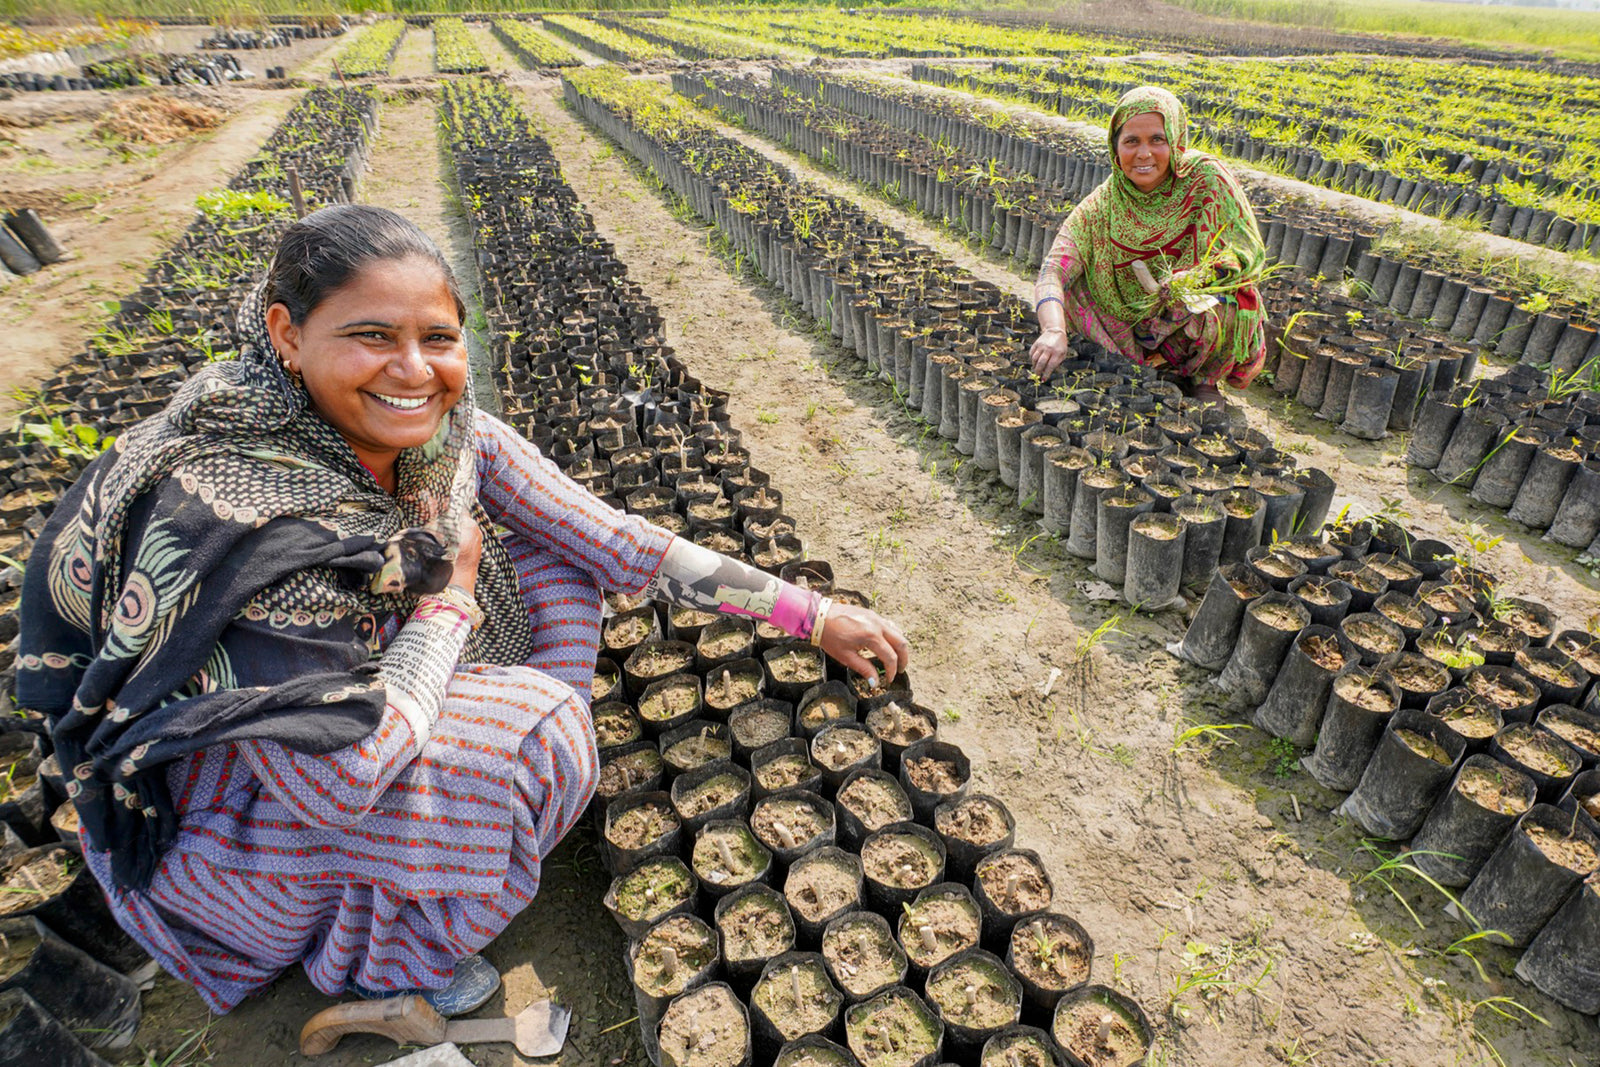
(821, 621)
(455, 596)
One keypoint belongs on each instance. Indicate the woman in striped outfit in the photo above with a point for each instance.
(316, 643)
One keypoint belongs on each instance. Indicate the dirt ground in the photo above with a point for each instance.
(114, 206)
(1219, 888)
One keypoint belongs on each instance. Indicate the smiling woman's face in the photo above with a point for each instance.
(1143, 152)
(383, 358)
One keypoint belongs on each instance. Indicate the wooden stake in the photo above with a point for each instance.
(296, 193)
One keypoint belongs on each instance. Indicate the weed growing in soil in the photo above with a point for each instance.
(1388, 873)
(1283, 758)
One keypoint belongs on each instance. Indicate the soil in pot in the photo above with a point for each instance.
(934, 775)
(783, 765)
(1101, 1028)
(1497, 789)
(1470, 718)
(942, 921)
(795, 668)
(755, 926)
(1410, 768)
(1010, 884)
(794, 997)
(893, 1029)
(607, 676)
(655, 660)
(1505, 688)
(652, 890)
(705, 1028)
(727, 854)
(615, 724)
(899, 860)
(625, 632)
(629, 770)
(732, 684)
(1419, 678)
(1551, 761)
(1531, 873)
(814, 1052)
(46, 873)
(791, 821)
(862, 955)
(672, 953)
(899, 724)
(719, 790)
(1424, 746)
(844, 747)
(1051, 954)
(1018, 1046)
(724, 641)
(1372, 638)
(670, 700)
(975, 995)
(1358, 708)
(821, 885)
(825, 705)
(1469, 822)
(874, 801)
(706, 743)
(1580, 731)
(635, 830)
(757, 725)
(971, 828)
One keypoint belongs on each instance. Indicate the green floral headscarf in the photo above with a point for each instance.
(1199, 214)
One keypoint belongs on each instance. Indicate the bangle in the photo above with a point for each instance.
(821, 621)
(457, 597)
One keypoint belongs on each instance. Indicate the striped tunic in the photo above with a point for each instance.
(379, 864)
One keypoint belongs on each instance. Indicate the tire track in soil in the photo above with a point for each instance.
(1147, 852)
(1366, 473)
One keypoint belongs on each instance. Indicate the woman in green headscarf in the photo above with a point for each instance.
(1161, 261)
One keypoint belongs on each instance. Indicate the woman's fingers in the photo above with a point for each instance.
(853, 633)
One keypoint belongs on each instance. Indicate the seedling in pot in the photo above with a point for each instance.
(694, 745)
(822, 885)
(755, 926)
(654, 889)
(672, 954)
(727, 855)
(793, 999)
(894, 1029)
(975, 996)
(862, 955)
(1102, 1028)
(705, 1028)
(791, 821)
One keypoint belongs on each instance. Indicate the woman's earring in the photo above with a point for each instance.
(294, 375)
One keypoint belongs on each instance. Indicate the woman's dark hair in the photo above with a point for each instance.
(324, 250)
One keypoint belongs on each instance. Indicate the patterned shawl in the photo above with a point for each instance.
(224, 573)
(1199, 212)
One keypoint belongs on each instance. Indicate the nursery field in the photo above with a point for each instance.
(1257, 738)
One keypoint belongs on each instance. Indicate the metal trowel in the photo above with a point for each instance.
(537, 1030)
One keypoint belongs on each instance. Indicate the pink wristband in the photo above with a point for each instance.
(796, 610)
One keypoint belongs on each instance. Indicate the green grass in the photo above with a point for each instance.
(1574, 34)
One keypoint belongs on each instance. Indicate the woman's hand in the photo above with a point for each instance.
(850, 630)
(1048, 351)
(468, 552)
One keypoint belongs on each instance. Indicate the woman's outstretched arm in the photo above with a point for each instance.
(1061, 267)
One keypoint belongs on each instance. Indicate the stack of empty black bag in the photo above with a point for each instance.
(1457, 718)
(26, 243)
(65, 985)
